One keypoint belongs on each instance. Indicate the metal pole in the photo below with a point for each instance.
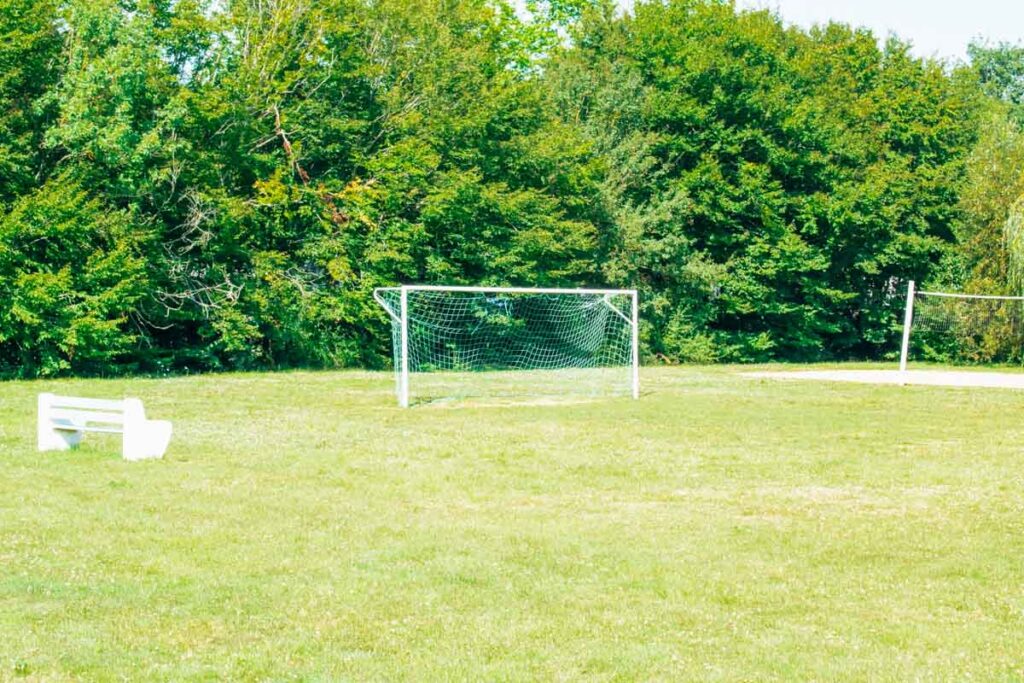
(908, 317)
(636, 346)
(403, 385)
(515, 290)
(954, 295)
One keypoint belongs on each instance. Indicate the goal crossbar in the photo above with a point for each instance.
(606, 293)
(504, 290)
(953, 295)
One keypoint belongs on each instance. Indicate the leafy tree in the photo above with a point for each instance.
(764, 187)
(201, 185)
(29, 47)
(989, 235)
(71, 274)
(991, 258)
(1000, 69)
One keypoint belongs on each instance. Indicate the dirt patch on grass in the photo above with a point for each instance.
(945, 378)
(552, 401)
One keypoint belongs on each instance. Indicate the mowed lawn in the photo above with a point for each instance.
(303, 527)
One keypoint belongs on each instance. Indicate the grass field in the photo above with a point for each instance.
(721, 528)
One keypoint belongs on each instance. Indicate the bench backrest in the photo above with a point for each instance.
(86, 411)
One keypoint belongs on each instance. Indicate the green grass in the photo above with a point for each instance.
(721, 528)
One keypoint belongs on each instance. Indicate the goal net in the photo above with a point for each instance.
(457, 342)
(962, 329)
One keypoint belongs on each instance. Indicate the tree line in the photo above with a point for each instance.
(195, 185)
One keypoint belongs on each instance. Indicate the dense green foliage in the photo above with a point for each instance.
(794, 177)
(195, 185)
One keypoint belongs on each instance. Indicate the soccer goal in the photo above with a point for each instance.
(962, 329)
(457, 342)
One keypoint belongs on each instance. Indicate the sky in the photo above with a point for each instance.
(937, 28)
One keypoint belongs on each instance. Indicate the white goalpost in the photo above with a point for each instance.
(944, 329)
(962, 329)
(455, 342)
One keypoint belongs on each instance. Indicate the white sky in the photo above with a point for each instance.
(936, 28)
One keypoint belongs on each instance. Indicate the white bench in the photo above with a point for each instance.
(64, 420)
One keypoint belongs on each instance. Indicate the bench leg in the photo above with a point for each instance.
(148, 439)
(143, 438)
(48, 437)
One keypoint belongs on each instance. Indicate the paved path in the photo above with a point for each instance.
(945, 378)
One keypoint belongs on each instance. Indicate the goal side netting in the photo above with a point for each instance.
(459, 342)
(962, 329)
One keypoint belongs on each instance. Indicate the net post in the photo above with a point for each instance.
(636, 345)
(403, 377)
(908, 318)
